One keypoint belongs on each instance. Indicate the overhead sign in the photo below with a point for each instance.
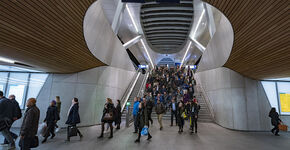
(133, 1)
(168, 1)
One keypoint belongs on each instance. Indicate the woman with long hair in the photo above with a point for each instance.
(108, 117)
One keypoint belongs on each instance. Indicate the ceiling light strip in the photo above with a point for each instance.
(147, 53)
(186, 53)
(198, 23)
(199, 44)
(7, 60)
(130, 14)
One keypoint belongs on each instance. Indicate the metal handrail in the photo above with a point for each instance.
(143, 85)
(205, 97)
(129, 90)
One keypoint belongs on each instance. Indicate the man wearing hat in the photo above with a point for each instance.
(51, 119)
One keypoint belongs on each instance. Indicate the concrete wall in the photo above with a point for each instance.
(219, 47)
(101, 39)
(238, 102)
(91, 87)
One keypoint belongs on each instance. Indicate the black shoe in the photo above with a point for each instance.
(135, 132)
(149, 137)
(43, 141)
(101, 136)
(277, 134)
(52, 136)
(137, 141)
(111, 137)
(151, 122)
(272, 131)
(118, 128)
(171, 125)
(191, 132)
(161, 128)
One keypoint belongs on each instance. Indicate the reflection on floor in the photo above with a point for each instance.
(210, 137)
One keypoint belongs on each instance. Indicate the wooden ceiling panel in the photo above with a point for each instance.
(261, 36)
(46, 34)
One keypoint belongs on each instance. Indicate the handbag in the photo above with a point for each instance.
(108, 116)
(283, 127)
(183, 115)
(72, 131)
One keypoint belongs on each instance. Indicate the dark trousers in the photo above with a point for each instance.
(149, 117)
(181, 123)
(13, 135)
(111, 128)
(25, 143)
(50, 129)
(135, 123)
(276, 128)
(193, 123)
(173, 114)
(68, 137)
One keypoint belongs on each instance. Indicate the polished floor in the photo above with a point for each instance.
(210, 137)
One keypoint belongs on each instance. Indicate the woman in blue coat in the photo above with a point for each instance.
(73, 118)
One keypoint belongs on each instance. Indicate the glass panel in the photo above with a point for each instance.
(284, 97)
(35, 84)
(271, 92)
(17, 85)
(3, 80)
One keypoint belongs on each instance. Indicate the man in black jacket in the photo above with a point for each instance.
(17, 115)
(6, 118)
(194, 110)
(173, 107)
(29, 124)
(51, 119)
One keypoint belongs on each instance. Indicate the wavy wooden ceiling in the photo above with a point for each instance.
(46, 34)
(261, 30)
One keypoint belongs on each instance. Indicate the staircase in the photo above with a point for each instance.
(134, 94)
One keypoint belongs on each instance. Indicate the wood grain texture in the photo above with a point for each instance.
(261, 36)
(46, 34)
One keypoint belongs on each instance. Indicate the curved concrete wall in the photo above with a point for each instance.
(91, 87)
(238, 102)
(101, 40)
(219, 48)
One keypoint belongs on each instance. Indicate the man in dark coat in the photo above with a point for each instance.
(73, 118)
(275, 120)
(29, 125)
(194, 110)
(118, 114)
(51, 119)
(142, 120)
(17, 115)
(7, 115)
(173, 107)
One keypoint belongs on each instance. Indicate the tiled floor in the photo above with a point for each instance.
(209, 137)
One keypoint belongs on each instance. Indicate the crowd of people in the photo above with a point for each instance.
(167, 90)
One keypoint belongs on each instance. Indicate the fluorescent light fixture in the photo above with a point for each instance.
(198, 23)
(130, 14)
(130, 43)
(147, 52)
(199, 44)
(186, 53)
(7, 60)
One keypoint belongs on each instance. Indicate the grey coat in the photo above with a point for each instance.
(30, 122)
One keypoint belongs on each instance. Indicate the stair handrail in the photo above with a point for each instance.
(143, 85)
(205, 97)
(129, 90)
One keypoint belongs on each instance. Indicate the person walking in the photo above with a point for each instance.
(275, 120)
(58, 104)
(173, 108)
(142, 120)
(194, 110)
(50, 120)
(17, 114)
(118, 114)
(29, 125)
(159, 108)
(7, 116)
(73, 118)
(108, 117)
(135, 112)
(180, 116)
(150, 105)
